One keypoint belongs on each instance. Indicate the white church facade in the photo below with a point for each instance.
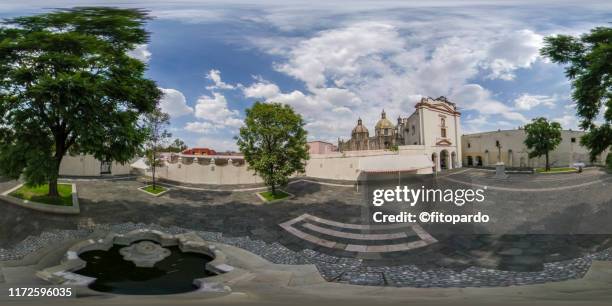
(433, 129)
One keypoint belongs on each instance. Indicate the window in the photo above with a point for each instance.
(443, 132)
(413, 129)
(469, 146)
(573, 139)
(386, 132)
(442, 122)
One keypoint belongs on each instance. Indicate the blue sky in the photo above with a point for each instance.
(335, 61)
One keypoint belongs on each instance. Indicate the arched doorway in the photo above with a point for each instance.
(470, 161)
(454, 160)
(444, 162)
(479, 161)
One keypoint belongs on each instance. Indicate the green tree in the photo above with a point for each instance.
(176, 146)
(542, 137)
(68, 84)
(155, 124)
(273, 141)
(589, 67)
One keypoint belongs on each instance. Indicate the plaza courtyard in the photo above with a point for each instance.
(320, 235)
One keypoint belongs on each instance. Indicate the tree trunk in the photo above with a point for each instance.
(153, 166)
(547, 165)
(53, 189)
(273, 189)
(59, 155)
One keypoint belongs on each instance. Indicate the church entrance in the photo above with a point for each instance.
(479, 161)
(444, 160)
(470, 161)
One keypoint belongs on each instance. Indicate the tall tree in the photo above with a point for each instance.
(155, 124)
(68, 84)
(542, 137)
(273, 141)
(589, 67)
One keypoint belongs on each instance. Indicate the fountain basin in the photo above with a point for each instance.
(141, 262)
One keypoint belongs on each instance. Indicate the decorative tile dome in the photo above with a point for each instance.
(384, 123)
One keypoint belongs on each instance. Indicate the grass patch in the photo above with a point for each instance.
(39, 194)
(561, 169)
(279, 194)
(158, 189)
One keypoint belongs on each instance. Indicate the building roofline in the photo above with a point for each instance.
(327, 142)
(515, 130)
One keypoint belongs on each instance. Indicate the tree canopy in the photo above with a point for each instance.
(273, 141)
(588, 61)
(69, 85)
(542, 137)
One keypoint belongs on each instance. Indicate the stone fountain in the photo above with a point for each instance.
(144, 253)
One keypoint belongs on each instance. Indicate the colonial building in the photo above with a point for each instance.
(508, 146)
(432, 129)
(321, 147)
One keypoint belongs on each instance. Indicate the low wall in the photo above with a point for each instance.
(196, 173)
(223, 170)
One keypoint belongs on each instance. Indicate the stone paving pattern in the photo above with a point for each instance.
(241, 219)
(339, 269)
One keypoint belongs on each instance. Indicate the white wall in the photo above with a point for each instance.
(483, 145)
(195, 173)
(79, 165)
(87, 165)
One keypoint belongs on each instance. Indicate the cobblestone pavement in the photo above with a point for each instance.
(339, 269)
(240, 219)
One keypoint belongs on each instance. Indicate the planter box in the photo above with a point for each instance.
(55, 209)
(153, 194)
(262, 198)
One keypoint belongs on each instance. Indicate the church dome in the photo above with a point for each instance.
(360, 128)
(384, 123)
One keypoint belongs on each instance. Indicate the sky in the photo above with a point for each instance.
(337, 61)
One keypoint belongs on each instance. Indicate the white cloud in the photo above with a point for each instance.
(518, 49)
(140, 53)
(173, 103)
(527, 101)
(567, 121)
(215, 76)
(341, 53)
(261, 90)
(214, 109)
(215, 115)
(200, 127)
(475, 97)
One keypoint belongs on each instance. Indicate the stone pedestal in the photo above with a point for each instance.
(500, 171)
(144, 254)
